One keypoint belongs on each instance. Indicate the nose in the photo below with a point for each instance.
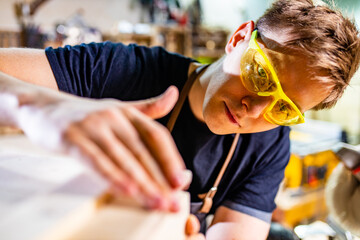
(255, 105)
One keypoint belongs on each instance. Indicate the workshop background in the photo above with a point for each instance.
(198, 29)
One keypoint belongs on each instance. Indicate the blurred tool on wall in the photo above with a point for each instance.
(75, 30)
(72, 31)
(162, 12)
(30, 35)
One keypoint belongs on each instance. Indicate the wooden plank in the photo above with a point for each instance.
(121, 221)
(49, 196)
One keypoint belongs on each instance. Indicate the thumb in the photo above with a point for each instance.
(192, 225)
(159, 106)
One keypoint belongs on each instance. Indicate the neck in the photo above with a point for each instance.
(197, 92)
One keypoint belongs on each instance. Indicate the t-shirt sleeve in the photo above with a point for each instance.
(255, 196)
(115, 70)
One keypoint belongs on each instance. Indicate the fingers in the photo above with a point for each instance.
(131, 139)
(187, 174)
(192, 229)
(161, 145)
(192, 225)
(117, 150)
(127, 162)
(100, 161)
(159, 106)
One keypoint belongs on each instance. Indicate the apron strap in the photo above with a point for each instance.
(207, 197)
(184, 93)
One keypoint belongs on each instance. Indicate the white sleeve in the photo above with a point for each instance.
(343, 199)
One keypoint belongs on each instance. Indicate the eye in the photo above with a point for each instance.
(261, 71)
(283, 107)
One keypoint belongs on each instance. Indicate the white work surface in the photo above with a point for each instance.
(48, 196)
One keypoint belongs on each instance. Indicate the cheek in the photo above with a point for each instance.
(215, 117)
(212, 112)
(225, 86)
(215, 90)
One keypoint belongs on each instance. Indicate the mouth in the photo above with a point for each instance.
(230, 115)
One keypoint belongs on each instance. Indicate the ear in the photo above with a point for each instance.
(243, 33)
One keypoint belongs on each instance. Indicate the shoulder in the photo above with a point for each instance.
(126, 72)
(117, 48)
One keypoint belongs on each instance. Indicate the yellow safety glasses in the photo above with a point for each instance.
(259, 76)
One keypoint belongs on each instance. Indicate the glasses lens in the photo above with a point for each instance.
(255, 77)
(283, 113)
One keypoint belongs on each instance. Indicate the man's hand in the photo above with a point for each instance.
(192, 229)
(120, 140)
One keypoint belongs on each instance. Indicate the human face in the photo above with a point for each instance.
(229, 107)
(259, 76)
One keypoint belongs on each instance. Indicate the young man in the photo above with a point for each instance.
(299, 57)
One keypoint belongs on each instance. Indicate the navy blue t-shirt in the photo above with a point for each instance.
(114, 70)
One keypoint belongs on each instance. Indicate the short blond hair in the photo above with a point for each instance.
(328, 39)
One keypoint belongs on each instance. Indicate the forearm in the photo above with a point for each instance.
(29, 65)
(234, 225)
(234, 231)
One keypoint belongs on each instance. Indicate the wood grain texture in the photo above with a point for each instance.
(47, 196)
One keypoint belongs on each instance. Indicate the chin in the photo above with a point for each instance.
(218, 131)
(219, 128)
